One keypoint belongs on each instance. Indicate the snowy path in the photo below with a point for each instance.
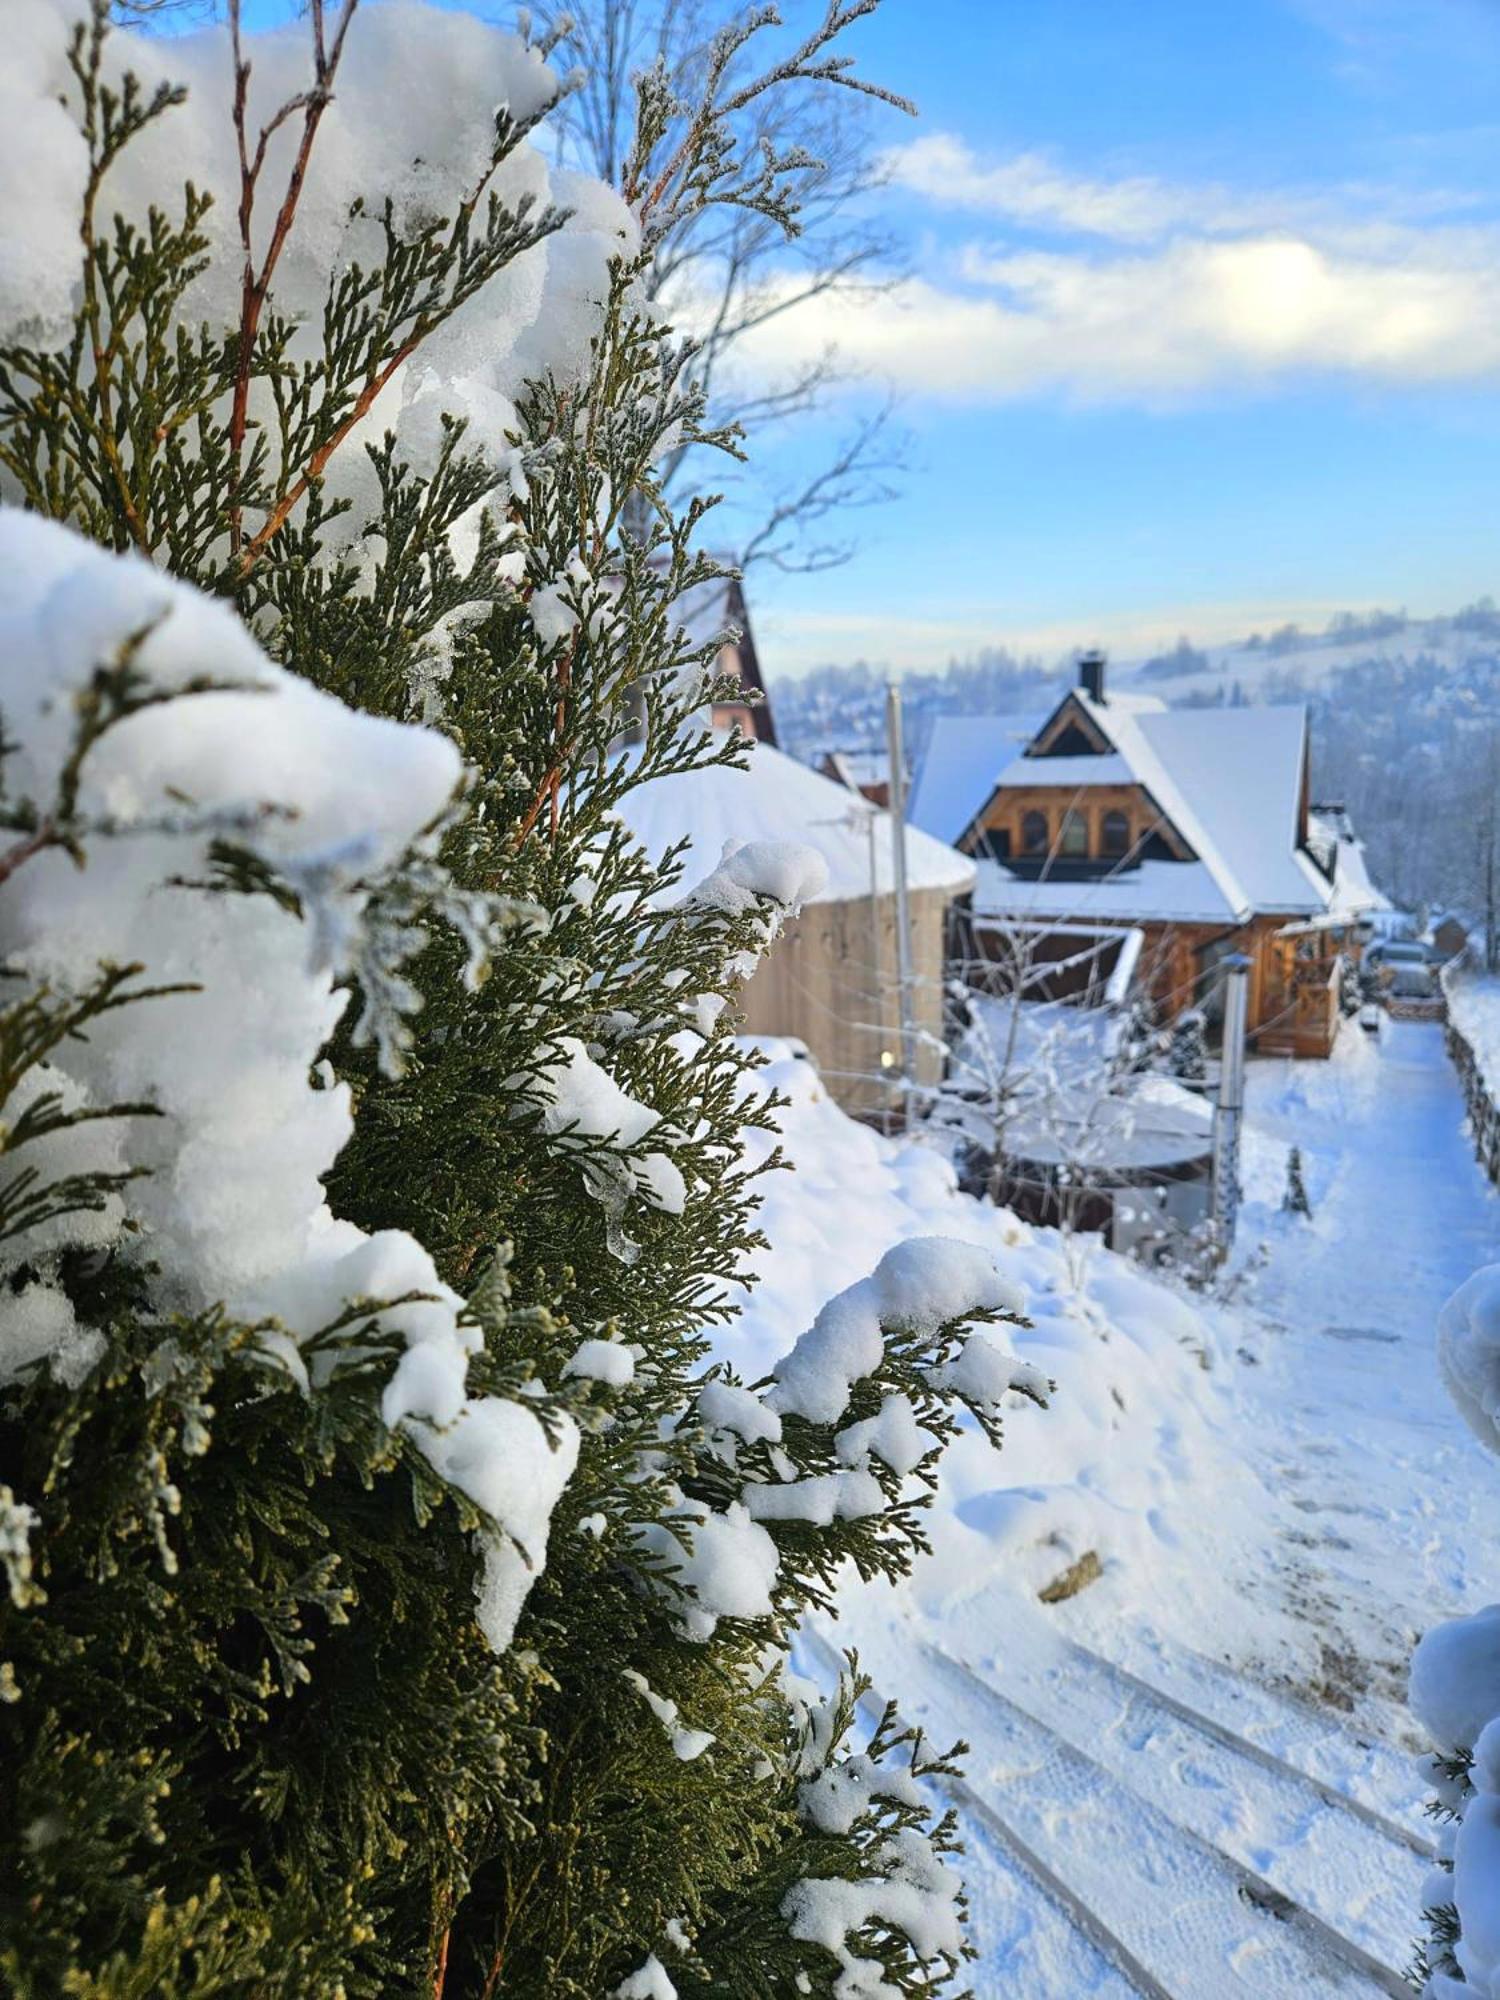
(1386, 1497)
(1213, 1796)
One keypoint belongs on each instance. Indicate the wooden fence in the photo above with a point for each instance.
(1478, 1089)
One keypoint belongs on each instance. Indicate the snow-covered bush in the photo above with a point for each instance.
(398, 1593)
(1455, 1697)
(1295, 1200)
(1187, 1050)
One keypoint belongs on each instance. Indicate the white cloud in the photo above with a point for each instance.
(1193, 317)
(1031, 189)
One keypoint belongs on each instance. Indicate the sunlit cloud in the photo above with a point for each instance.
(1035, 191)
(1150, 292)
(1191, 318)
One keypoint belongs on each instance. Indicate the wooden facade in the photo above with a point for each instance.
(1300, 1002)
(1043, 822)
(831, 983)
(753, 715)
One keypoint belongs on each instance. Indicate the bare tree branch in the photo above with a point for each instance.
(728, 255)
(859, 475)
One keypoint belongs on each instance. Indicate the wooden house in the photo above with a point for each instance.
(719, 607)
(867, 772)
(830, 981)
(1192, 825)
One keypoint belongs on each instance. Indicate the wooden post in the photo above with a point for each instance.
(903, 909)
(1230, 1109)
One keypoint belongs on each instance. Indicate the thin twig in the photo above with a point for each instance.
(256, 284)
(277, 518)
(15, 857)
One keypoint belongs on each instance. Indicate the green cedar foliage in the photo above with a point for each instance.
(1435, 1955)
(253, 1740)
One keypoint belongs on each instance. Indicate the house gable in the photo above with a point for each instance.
(1123, 824)
(1006, 826)
(1070, 731)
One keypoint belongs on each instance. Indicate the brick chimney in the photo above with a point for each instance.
(1091, 674)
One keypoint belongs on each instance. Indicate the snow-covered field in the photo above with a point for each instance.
(1454, 644)
(1191, 1777)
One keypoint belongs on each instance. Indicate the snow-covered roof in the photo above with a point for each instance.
(1067, 773)
(776, 798)
(1140, 1131)
(1183, 892)
(854, 767)
(1229, 780)
(1354, 894)
(965, 755)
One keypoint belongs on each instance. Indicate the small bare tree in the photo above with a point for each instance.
(730, 270)
(1040, 1073)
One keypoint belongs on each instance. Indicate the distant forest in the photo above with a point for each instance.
(1412, 746)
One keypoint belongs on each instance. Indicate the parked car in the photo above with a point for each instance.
(1404, 970)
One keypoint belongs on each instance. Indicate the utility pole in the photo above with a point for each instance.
(877, 919)
(903, 907)
(1229, 1112)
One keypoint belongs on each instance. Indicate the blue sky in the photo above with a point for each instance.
(1200, 329)
(1203, 329)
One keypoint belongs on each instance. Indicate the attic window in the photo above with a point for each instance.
(1073, 742)
(1074, 838)
(1114, 831)
(1034, 833)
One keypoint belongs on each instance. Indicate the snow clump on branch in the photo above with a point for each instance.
(919, 1284)
(421, 95)
(1454, 1693)
(201, 740)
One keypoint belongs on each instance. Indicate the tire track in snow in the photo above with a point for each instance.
(1311, 1739)
(1345, 1863)
(1172, 1899)
(1022, 1858)
(1243, 1746)
(1179, 1918)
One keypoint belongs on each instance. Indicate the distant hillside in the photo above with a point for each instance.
(1288, 664)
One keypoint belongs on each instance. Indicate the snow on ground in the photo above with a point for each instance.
(1474, 1007)
(1395, 1499)
(1139, 1419)
(1314, 658)
(1191, 1777)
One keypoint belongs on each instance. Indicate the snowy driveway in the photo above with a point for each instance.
(1388, 1501)
(1193, 1780)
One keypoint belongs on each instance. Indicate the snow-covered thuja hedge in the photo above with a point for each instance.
(398, 1601)
(1455, 1697)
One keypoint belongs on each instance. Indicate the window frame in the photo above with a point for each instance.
(1073, 843)
(1118, 820)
